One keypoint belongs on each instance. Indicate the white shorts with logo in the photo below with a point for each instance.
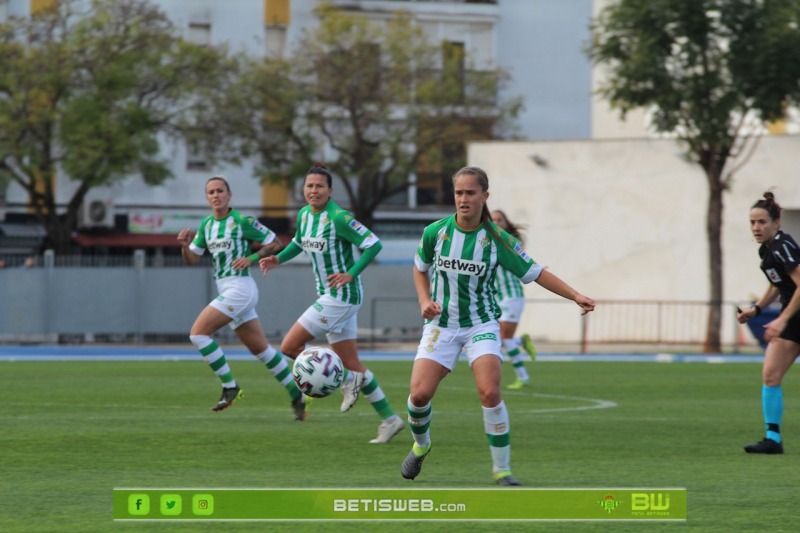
(336, 320)
(512, 309)
(444, 345)
(238, 296)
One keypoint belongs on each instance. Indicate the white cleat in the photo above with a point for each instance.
(388, 429)
(350, 390)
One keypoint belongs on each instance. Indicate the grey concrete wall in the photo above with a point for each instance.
(45, 304)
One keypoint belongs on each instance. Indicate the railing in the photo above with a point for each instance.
(668, 323)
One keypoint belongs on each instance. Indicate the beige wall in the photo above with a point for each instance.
(625, 219)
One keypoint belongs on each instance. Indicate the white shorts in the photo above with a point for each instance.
(337, 320)
(512, 309)
(444, 345)
(238, 296)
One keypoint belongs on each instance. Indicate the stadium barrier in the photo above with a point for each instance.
(133, 302)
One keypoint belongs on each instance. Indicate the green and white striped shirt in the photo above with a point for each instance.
(464, 265)
(328, 238)
(228, 239)
(507, 285)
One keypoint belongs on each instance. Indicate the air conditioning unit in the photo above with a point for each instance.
(96, 213)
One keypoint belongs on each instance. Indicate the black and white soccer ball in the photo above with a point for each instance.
(318, 372)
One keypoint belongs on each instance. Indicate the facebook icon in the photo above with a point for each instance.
(138, 504)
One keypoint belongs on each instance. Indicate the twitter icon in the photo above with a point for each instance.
(170, 504)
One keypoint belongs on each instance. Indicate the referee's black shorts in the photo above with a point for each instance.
(792, 330)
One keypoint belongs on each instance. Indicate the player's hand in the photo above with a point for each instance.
(773, 329)
(430, 310)
(585, 303)
(744, 316)
(268, 263)
(240, 263)
(339, 280)
(185, 236)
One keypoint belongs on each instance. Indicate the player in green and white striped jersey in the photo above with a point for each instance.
(511, 299)
(327, 233)
(454, 271)
(228, 237)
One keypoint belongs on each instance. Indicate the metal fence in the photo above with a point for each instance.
(648, 323)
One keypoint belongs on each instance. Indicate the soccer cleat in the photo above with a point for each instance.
(229, 395)
(388, 429)
(412, 465)
(299, 408)
(350, 390)
(505, 479)
(767, 446)
(527, 345)
(519, 384)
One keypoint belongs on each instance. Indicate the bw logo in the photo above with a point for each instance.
(649, 501)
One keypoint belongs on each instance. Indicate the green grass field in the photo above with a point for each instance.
(73, 431)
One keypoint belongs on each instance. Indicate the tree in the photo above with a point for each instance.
(380, 98)
(85, 95)
(712, 72)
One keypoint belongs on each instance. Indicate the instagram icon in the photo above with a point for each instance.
(203, 504)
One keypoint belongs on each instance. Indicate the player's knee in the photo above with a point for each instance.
(419, 398)
(201, 341)
(290, 350)
(489, 397)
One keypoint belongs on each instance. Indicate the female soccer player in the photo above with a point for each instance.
(228, 237)
(780, 257)
(462, 253)
(511, 299)
(327, 233)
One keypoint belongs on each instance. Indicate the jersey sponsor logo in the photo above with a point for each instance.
(225, 245)
(461, 266)
(311, 244)
(521, 252)
(484, 337)
(259, 226)
(773, 275)
(358, 227)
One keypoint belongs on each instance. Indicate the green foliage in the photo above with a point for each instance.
(375, 94)
(701, 65)
(81, 429)
(85, 92)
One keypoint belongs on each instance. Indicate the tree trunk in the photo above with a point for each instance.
(714, 234)
(59, 235)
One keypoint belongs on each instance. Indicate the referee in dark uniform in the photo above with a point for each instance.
(780, 257)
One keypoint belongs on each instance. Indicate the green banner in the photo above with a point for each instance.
(650, 504)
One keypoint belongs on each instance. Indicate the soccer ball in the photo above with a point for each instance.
(318, 372)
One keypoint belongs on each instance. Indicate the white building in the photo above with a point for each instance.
(538, 41)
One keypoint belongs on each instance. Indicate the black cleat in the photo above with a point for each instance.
(412, 465)
(229, 395)
(767, 446)
(507, 481)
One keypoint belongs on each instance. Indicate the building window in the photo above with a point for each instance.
(275, 41)
(196, 157)
(453, 69)
(199, 33)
